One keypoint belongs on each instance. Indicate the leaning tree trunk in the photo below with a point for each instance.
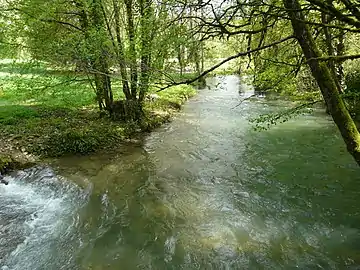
(325, 80)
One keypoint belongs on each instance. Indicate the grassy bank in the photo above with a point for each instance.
(49, 113)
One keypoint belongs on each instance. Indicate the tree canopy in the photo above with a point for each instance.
(128, 47)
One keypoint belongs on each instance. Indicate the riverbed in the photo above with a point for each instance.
(206, 191)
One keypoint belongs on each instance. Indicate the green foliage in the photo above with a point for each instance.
(130, 128)
(9, 43)
(352, 78)
(23, 67)
(85, 36)
(55, 131)
(352, 91)
(14, 114)
(172, 98)
(45, 86)
(266, 121)
(178, 94)
(353, 82)
(279, 69)
(72, 142)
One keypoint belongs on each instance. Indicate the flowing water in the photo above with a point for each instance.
(204, 192)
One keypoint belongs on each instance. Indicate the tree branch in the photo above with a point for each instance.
(336, 58)
(189, 81)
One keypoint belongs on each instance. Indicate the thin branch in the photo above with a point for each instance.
(242, 101)
(189, 81)
(336, 58)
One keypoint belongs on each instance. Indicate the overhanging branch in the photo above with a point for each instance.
(189, 81)
(336, 58)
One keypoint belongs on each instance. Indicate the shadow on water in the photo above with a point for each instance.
(308, 184)
(308, 164)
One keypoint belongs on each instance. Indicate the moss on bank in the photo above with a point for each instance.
(6, 163)
(14, 161)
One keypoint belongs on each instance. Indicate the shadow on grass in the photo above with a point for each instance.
(33, 68)
(11, 114)
(17, 114)
(55, 131)
(65, 121)
(58, 131)
(58, 91)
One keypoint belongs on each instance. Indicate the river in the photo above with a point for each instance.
(206, 191)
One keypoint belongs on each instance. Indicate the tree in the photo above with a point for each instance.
(97, 36)
(325, 78)
(265, 22)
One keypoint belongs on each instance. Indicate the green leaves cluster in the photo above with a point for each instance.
(266, 121)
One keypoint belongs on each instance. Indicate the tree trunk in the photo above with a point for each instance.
(325, 80)
(120, 52)
(180, 57)
(100, 65)
(330, 47)
(127, 110)
(132, 48)
(198, 65)
(146, 37)
(340, 51)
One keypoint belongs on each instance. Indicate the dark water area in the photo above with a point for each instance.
(203, 192)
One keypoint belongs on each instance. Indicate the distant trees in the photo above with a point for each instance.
(126, 40)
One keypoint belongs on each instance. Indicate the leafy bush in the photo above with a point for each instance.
(352, 81)
(352, 91)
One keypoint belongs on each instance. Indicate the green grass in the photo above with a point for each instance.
(55, 113)
(52, 90)
(173, 98)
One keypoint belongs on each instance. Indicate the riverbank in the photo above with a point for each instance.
(45, 116)
(204, 192)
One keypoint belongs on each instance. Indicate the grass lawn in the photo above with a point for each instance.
(48, 112)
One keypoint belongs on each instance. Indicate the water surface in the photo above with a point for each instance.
(204, 192)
